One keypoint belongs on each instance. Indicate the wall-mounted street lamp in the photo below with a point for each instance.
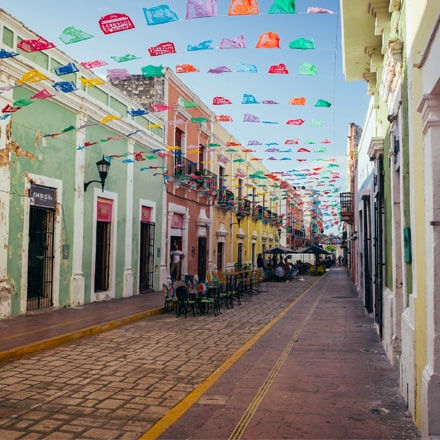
(240, 217)
(103, 167)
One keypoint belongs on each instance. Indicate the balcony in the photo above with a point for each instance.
(244, 206)
(267, 215)
(257, 212)
(207, 179)
(225, 198)
(184, 167)
(347, 212)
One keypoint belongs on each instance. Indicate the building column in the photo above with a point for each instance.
(5, 139)
(77, 282)
(128, 265)
(430, 110)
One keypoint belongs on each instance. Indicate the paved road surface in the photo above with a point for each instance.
(299, 361)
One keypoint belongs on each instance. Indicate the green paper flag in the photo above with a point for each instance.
(23, 103)
(283, 7)
(124, 58)
(149, 71)
(302, 43)
(185, 103)
(307, 69)
(322, 103)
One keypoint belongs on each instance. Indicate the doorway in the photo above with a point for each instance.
(40, 258)
(146, 263)
(220, 251)
(201, 269)
(102, 257)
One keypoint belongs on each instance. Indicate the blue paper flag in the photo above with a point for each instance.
(159, 15)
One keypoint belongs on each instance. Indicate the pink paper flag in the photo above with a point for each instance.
(236, 43)
(42, 94)
(93, 64)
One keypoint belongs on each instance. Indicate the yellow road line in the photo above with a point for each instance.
(184, 405)
(248, 415)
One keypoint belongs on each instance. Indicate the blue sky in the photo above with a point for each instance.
(349, 101)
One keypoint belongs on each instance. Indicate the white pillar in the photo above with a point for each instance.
(77, 282)
(128, 265)
(5, 138)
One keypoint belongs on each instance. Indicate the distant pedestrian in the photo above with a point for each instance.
(260, 261)
(340, 260)
(176, 257)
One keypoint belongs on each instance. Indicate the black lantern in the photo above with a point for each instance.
(239, 216)
(103, 167)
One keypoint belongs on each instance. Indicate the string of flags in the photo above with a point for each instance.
(162, 14)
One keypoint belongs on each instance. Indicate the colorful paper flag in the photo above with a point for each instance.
(7, 54)
(278, 69)
(125, 58)
(73, 35)
(93, 64)
(307, 69)
(204, 45)
(268, 40)
(159, 15)
(116, 22)
(297, 101)
(201, 8)
(66, 69)
(247, 68)
(302, 44)
(322, 103)
(249, 99)
(32, 76)
(186, 68)
(220, 69)
(283, 7)
(236, 43)
(219, 100)
(162, 49)
(119, 74)
(150, 71)
(243, 7)
(35, 45)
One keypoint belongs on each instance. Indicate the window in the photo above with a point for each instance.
(202, 158)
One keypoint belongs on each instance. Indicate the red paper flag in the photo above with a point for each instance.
(162, 49)
(219, 100)
(295, 122)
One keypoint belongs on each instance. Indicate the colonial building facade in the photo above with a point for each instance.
(393, 45)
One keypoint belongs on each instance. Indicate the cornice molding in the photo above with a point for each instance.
(429, 109)
(376, 148)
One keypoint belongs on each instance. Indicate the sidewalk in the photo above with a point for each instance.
(26, 334)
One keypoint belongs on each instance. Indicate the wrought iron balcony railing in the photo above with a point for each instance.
(183, 167)
(347, 210)
(225, 198)
(244, 206)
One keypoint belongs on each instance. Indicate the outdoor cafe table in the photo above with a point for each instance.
(234, 277)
